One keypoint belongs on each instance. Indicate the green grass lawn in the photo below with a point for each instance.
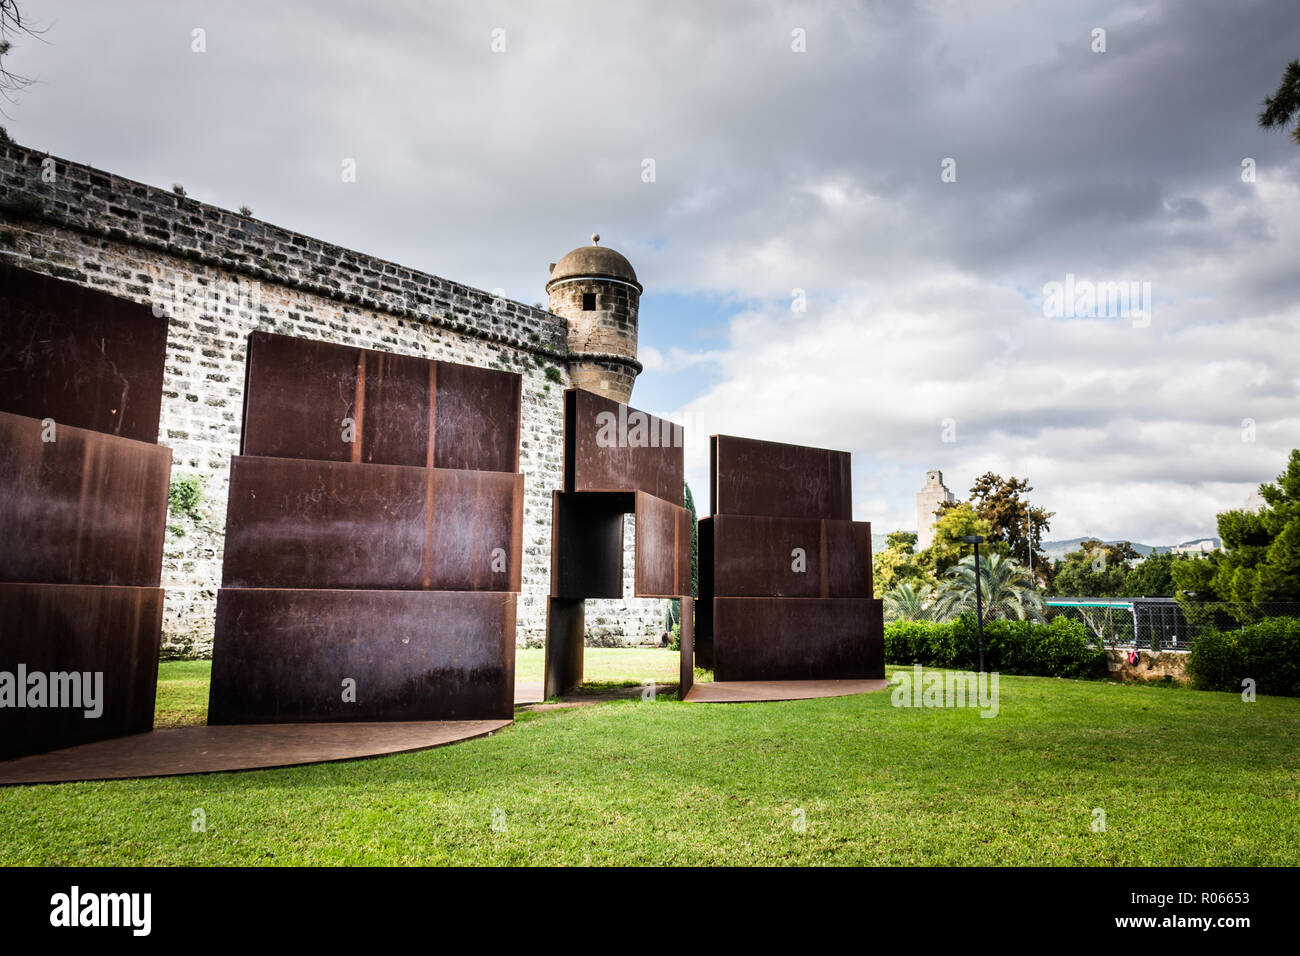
(1184, 777)
(182, 693)
(183, 685)
(608, 665)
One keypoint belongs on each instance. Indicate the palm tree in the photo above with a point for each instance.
(907, 602)
(1006, 589)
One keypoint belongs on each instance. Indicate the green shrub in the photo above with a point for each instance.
(1059, 649)
(908, 642)
(1267, 652)
(183, 499)
(1214, 662)
(922, 642)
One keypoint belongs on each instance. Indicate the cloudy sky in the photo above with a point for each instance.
(924, 339)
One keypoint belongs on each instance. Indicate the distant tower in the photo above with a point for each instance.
(928, 500)
(595, 289)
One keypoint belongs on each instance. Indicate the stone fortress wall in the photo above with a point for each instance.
(219, 275)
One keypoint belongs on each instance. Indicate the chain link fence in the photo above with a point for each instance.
(1152, 624)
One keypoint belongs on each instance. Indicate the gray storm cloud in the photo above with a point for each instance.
(776, 171)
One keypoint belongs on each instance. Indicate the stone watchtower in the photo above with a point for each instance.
(928, 500)
(595, 289)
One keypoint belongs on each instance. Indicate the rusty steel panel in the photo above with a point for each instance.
(686, 660)
(295, 523)
(478, 417)
(587, 544)
(565, 638)
(300, 396)
(704, 602)
(62, 629)
(284, 656)
(607, 447)
(662, 561)
(788, 557)
(797, 639)
(86, 508)
(751, 477)
(306, 399)
(80, 356)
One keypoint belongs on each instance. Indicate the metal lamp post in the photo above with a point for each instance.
(1029, 521)
(977, 539)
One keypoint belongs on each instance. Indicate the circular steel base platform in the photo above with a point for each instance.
(212, 749)
(754, 691)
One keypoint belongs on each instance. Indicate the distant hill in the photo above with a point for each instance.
(1059, 549)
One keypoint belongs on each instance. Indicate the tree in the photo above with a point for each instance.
(1006, 589)
(898, 563)
(908, 601)
(905, 540)
(1284, 105)
(1152, 577)
(1262, 563)
(1194, 578)
(1095, 570)
(955, 522)
(1000, 502)
(12, 24)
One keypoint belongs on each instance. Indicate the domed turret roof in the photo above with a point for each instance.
(594, 260)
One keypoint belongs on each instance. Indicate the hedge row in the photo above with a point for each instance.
(1268, 652)
(1059, 649)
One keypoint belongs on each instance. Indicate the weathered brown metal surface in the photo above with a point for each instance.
(751, 477)
(180, 750)
(565, 633)
(662, 561)
(86, 508)
(617, 461)
(478, 415)
(587, 544)
(300, 396)
(686, 661)
(295, 523)
(704, 601)
(797, 639)
(285, 655)
(608, 448)
(762, 557)
(80, 356)
(61, 629)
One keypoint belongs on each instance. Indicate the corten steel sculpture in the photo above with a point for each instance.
(83, 510)
(373, 540)
(785, 573)
(617, 461)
